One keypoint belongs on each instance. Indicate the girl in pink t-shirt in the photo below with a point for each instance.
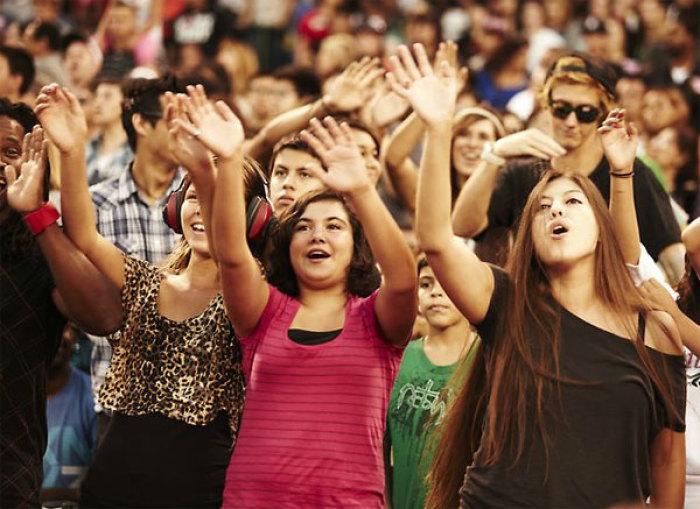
(322, 345)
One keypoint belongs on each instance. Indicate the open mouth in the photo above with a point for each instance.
(198, 228)
(317, 255)
(558, 231)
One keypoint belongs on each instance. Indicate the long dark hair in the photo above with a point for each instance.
(490, 411)
(689, 292)
(363, 276)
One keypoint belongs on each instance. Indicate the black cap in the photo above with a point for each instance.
(599, 70)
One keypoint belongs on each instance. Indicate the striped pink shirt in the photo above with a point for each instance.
(314, 418)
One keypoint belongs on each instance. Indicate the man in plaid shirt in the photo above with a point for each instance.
(128, 207)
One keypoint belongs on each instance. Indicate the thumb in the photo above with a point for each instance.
(10, 175)
(317, 171)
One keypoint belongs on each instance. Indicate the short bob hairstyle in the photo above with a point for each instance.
(363, 276)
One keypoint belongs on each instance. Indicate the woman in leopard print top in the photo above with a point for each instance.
(174, 385)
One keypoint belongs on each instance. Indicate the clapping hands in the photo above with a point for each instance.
(62, 117)
(25, 185)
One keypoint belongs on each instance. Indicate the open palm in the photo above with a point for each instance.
(61, 117)
(25, 192)
(432, 95)
(216, 126)
(345, 170)
(189, 152)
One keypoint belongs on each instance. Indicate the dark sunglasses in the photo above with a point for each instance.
(584, 113)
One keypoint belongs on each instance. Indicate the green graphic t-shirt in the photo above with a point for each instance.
(417, 406)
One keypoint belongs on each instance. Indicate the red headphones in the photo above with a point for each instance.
(258, 213)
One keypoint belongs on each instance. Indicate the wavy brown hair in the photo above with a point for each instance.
(362, 277)
(490, 411)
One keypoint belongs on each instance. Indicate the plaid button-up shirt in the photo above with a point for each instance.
(101, 167)
(137, 228)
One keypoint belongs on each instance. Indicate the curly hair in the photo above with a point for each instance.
(18, 241)
(363, 276)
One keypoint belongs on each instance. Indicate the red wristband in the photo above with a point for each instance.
(42, 218)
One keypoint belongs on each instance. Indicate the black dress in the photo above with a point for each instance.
(600, 437)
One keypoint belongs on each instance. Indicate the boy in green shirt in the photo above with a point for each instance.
(421, 393)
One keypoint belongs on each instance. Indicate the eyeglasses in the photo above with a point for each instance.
(584, 113)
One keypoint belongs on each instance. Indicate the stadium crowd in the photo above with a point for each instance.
(348, 253)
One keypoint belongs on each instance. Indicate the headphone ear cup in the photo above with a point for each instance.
(258, 215)
(171, 211)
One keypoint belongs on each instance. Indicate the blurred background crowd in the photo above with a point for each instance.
(265, 57)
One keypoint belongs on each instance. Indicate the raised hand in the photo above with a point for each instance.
(432, 95)
(620, 141)
(345, 170)
(531, 142)
(387, 107)
(216, 126)
(189, 151)
(349, 91)
(25, 186)
(61, 117)
(447, 52)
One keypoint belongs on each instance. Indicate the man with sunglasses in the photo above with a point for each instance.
(578, 94)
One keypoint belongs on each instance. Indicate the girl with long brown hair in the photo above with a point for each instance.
(577, 395)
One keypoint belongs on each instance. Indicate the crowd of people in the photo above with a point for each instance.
(342, 253)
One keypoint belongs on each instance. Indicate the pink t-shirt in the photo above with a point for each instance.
(314, 418)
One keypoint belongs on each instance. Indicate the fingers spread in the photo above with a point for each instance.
(408, 63)
(422, 59)
(398, 71)
(321, 133)
(313, 142)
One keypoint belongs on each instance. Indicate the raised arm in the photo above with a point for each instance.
(620, 146)
(346, 95)
(183, 113)
(433, 98)
(64, 122)
(244, 288)
(82, 292)
(470, 216)
(346, 173)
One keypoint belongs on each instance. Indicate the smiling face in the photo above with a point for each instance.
(569, 132)
(433, 302)
(11, 136)
(321, 247)
(193, 224)
(469, 143)
(564, 230)
(289, 178)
